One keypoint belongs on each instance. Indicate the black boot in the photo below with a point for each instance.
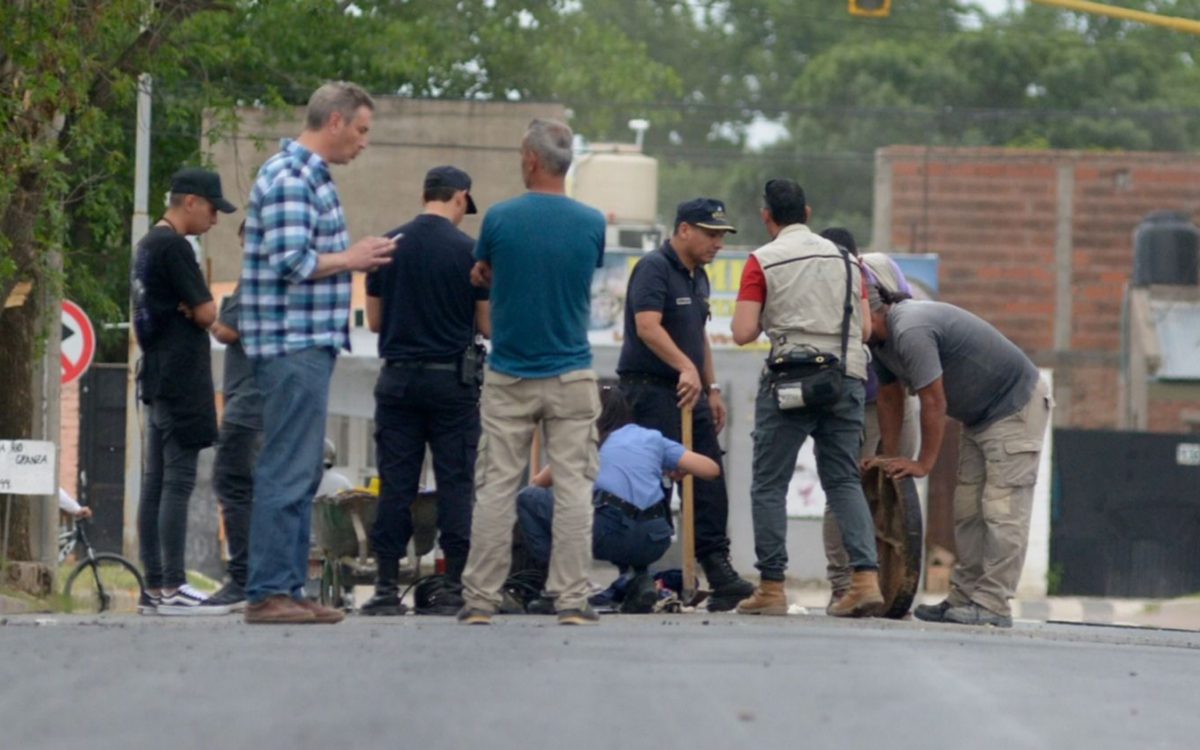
(387, 591)
(533, 585)
(640, 595)
(442, 595)
(728, 587)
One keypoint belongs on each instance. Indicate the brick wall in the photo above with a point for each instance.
(995, 218)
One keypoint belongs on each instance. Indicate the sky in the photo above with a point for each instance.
(998, 6)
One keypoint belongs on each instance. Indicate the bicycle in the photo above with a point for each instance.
(102, 581)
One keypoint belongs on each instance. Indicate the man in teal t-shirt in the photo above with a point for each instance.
(537, 252)
(542, 249)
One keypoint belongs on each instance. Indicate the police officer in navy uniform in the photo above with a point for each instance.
(666, 364)
(427, 314)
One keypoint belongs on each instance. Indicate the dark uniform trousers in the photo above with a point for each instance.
(416, 405)
(233, 480)
(655, 406)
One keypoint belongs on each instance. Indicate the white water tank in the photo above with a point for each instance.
(619, 180)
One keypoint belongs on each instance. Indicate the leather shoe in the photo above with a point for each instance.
(279, 609)
(322, 615)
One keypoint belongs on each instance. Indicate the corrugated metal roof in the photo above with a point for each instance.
(1177, 326)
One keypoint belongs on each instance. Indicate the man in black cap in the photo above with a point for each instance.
(427, 315)
(172, 310)
(666, 364)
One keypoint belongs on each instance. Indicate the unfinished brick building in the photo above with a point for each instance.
(1040, 244)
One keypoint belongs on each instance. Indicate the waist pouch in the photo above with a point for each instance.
(806, 380)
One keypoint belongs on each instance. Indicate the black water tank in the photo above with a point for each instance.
(1166, 250)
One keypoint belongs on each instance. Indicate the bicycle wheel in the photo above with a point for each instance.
(110, 583)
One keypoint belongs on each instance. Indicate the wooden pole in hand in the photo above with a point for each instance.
(688, 517)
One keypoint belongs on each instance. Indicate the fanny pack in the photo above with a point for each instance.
(808, 378)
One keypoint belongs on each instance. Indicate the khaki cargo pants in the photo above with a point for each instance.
(997, 468)
(837, 562)
(567, 406)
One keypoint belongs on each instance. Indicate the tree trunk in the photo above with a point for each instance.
(20, 332)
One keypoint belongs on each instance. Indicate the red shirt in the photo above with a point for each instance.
(754, 284)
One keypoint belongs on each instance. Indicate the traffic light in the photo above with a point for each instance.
(871, 8)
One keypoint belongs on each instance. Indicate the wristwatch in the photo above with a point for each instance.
(713, 387)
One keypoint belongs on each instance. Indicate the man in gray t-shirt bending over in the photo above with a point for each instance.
(962, 367)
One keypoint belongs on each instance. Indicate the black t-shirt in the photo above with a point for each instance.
(427, 301)
(176, 366)
(661, 283)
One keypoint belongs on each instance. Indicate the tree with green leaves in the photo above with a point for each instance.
(64, 67)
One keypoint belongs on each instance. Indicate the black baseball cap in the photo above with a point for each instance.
(706, 213)
(201, 182)
(453, 178)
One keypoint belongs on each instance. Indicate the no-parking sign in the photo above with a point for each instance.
(78, 342)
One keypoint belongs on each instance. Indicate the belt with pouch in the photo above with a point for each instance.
(604, 497)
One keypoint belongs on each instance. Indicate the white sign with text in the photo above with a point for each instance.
(27, 467)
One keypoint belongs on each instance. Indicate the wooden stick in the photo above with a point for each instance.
(688, 520)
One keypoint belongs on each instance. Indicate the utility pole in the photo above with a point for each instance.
(140, 226)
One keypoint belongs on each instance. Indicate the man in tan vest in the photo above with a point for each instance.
(808, 296)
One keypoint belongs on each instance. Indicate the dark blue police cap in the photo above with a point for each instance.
(706, 213)
(453, 178)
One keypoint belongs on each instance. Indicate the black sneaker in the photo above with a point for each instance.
(383, 604)
(585, 615)
(185, 602)
(231, 598)
(932, 612)
(973, 614)
(148, 604)
(437, 596)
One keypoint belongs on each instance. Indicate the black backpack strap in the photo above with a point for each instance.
(848, 308)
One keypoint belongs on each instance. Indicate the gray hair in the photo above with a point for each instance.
(551, 141)
(336, 96)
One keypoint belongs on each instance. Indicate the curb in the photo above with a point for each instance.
(1180, 614)
(11, 606)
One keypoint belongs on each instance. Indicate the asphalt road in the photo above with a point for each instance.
(686, 681)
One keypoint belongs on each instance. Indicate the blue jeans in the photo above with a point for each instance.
(616, 537)
(295, 389)
(168, 479)
(778, 436)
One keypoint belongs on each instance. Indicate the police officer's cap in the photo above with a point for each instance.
(706, 213)
(453, 178)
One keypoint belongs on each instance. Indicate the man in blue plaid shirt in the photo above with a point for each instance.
(296, 276)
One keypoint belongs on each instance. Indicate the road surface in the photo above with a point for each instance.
(677, 681)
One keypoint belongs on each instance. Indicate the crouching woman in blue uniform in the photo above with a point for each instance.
(630, 526)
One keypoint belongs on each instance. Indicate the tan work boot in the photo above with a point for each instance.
(768, 599)
(863, 599)
(834, 597)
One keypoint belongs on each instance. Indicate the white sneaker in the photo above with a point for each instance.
(186, 601)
